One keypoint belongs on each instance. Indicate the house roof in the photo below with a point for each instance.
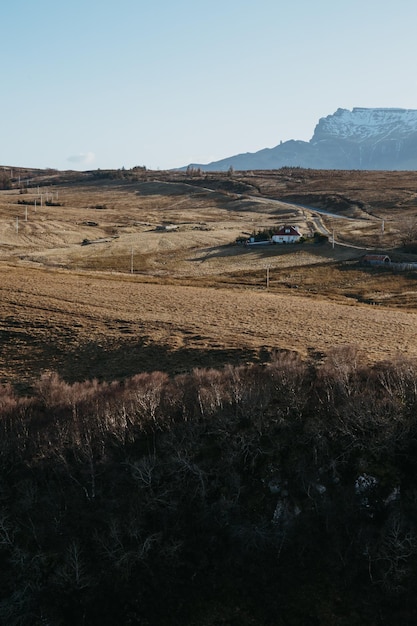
(289, 231)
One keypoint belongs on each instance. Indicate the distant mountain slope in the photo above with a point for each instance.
(363, 139)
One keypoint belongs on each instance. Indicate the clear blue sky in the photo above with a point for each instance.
(89, 84)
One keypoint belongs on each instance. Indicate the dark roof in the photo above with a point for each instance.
(376, 257)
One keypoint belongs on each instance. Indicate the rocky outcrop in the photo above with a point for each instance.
(362, 139)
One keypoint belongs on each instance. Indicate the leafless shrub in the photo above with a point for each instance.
(200, 393)
(392, 563)
(14, 416)
(289, 375)
(8, 399)
(72, 573)
(143, 470)
(52, 390)
(210, 390)
(7, 530)
(399, 379)
(146, 392)
(248, 389)
(16, 609)
(125, 545)
(191, 474)
(408, 230)
(340, 370)
(368, 422)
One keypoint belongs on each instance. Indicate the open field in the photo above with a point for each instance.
(160, 284)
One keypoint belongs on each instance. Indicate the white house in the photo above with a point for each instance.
(286, 234)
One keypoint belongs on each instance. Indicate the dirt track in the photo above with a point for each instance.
(86, 326)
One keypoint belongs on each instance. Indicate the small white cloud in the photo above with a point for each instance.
(83, 157)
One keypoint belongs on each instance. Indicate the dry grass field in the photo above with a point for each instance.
(141, 272)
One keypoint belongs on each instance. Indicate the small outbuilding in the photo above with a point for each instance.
(259, 239)
(376, 259)
(286, 234)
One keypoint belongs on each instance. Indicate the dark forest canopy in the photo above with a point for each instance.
(274, 494)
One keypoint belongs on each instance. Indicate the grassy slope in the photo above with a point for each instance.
(80, 310)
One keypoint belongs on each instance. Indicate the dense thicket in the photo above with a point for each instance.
(277, 494)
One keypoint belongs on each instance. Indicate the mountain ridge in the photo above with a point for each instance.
(364, 139)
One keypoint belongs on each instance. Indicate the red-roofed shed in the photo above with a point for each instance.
(376, 259)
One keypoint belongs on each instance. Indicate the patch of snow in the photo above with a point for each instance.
(285, 512)
(364, 483)
(280, 511)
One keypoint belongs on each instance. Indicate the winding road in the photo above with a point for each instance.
(316, 219)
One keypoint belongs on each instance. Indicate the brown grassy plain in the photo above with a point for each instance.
(161, 284)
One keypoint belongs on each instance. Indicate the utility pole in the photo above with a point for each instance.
(267, 276)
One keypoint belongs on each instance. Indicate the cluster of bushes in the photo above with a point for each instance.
(134, 174)
(283, 493)
(320, 238)
(5, 180)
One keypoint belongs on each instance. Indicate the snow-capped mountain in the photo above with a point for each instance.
(373, 139)
(362, 124)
